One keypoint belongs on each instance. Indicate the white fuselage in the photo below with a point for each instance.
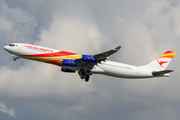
(109, 68)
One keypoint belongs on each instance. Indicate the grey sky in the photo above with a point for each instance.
(145, 29)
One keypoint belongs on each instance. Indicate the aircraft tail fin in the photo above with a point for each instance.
(161, 62)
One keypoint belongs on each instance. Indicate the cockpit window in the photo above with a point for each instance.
(11, 44)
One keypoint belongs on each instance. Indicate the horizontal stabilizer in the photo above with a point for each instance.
(157, 73)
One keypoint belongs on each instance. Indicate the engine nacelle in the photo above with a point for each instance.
(88, 58)
(66, 62)
(67, 70)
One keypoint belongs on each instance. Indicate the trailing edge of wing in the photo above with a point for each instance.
(104, 55)
(156, 73)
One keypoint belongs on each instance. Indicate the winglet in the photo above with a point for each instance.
(118, 48)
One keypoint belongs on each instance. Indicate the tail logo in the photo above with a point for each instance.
(165, 58)
(161, 62)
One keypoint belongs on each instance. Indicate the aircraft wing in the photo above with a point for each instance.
(104, 55)
(99, 57)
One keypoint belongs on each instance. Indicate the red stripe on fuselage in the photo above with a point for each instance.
(55, 54)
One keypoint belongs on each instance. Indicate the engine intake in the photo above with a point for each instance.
(88, 58)
(66, 62)
(67, 70)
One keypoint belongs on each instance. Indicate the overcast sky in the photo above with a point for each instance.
(144, 28)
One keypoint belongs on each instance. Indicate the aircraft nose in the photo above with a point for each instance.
(5, 47)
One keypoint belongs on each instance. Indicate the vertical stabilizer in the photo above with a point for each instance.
(161, 62)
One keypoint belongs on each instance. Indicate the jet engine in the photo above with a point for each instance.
(66, 62)
(88, 58)
(67, 70)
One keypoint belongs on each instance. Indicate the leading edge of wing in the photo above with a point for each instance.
(104, 55)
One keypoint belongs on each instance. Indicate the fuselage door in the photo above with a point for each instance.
(138, 71)
(18, 47)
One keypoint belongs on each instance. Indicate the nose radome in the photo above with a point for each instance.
(9, 49)
(5, 47)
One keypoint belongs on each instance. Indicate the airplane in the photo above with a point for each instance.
(87, 65)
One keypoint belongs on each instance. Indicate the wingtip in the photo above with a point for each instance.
(117, 48)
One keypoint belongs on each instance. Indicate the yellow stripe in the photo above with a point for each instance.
(163, 55)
